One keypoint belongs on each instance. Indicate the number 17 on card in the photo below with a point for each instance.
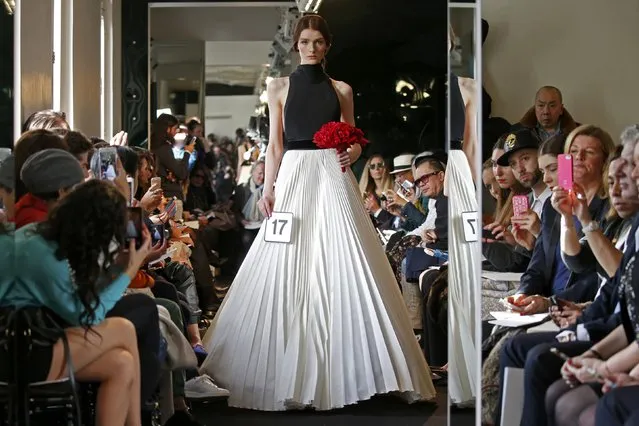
(279, 228)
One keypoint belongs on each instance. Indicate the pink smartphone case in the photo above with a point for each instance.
(564, 171)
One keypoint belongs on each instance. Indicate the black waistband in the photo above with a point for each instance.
(456, 145)
(299, 145)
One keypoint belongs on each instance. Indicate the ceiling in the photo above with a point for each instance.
(182, 35)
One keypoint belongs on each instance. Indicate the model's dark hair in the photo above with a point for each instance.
(30, 143)
(101, 211)
(311, 22)
(46, 119)
(159, 130)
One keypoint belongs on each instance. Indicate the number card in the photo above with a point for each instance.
(279, 228)
(471, 226)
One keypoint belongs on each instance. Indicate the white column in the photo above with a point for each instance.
(34, 52)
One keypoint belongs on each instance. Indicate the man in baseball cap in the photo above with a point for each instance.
(48, 175)
(521, 154)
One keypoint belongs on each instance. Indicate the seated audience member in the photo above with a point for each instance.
(522, 155)
(429, 178)
(548, 116)
(82, 148)
(492, 187)
(7, 183)
(68, 267)
(499, 253)
(245, 200)
(47, 119)
(48, 176)
(29, 143)
(563, 403)
(547, 274)
(146, 171)
(411, 210)
(531, 351)
(374, 182)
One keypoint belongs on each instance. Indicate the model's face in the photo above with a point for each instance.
(312, 47)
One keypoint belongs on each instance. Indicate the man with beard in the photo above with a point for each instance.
(521, 152)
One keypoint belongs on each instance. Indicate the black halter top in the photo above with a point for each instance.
(311, 102)
(457, 113)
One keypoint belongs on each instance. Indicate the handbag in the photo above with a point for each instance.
(21, 330)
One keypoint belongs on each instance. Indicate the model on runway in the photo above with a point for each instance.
(318, 322)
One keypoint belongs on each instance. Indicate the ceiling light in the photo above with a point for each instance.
(403, 84)
(10, 5)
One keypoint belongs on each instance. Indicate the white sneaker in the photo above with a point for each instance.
(202, 387)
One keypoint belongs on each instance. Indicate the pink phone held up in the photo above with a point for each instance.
(564, 171)
(520, 205)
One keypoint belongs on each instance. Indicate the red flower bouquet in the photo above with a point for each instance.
(339, 136)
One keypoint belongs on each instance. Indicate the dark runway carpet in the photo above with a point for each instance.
(379, 411)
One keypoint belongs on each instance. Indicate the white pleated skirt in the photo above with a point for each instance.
(463, 282)
(319, 322)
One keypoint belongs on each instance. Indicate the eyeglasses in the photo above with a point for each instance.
(425, 177)
(376, 166)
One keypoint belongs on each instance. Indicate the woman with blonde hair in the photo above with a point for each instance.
(376, 179)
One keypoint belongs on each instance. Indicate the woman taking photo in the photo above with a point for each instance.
(174, 172)
(67, 267)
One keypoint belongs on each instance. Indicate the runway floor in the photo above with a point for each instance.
(379, 411)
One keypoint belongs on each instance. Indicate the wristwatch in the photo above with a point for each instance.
(591, 227)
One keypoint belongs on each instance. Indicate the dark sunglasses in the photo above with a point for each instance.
(199, 176)
(376, 166)
(425, 177)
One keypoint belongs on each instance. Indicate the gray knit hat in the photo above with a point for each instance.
(50, 171)
(7, 175)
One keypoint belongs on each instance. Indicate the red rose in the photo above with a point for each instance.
(339, 136)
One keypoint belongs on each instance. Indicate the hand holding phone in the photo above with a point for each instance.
(564, 171)
(520, 205)
(134, 226)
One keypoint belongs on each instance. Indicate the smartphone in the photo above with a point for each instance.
(564, 171)
(108, 163)
(134, 226)
(156, 181)
(407, 185)
(520, 205)
(131, 183)
(157, 233)
(487, 234)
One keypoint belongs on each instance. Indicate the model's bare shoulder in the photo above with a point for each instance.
(276, 88)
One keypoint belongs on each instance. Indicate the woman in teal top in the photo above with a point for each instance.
(65, 264)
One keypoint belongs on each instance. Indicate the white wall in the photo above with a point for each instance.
(587, 48)
(224, 114)
(237, 52)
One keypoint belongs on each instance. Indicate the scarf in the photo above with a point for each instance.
(251, 211)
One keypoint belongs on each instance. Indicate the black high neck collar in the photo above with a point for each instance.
(314, 72)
